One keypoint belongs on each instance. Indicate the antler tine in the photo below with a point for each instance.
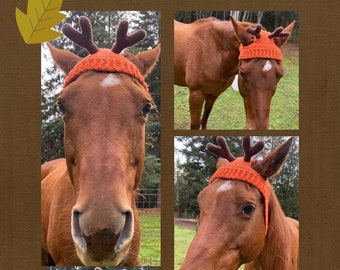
(222, 150)
(255, 31)
(249, 150)
(278, 33)
(84, 37)
(124, 40)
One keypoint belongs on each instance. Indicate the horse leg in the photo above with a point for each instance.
(209, 103)
(196, 99)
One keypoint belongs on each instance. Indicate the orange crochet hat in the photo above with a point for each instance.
(105, 60)
(242, 171)
(262, 47)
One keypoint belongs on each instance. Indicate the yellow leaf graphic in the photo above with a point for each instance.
(42, 15)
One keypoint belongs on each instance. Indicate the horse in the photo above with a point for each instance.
(208, 53)
(241, 218)
(88, 199)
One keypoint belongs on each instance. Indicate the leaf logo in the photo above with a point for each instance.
(42, 15)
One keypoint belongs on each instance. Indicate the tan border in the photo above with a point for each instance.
(319, 128)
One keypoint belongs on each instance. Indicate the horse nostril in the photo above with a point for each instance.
(76, 230)
(127, 232)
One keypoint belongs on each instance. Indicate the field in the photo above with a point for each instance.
(228, 111)
(150, 251)
(183, 238)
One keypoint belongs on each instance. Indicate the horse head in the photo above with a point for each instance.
(234, 208)
(104, 104)
(260, 69)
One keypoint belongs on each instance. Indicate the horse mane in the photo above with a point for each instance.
(275, 254)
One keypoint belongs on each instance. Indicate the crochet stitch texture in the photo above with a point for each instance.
(263, 47)
(242, 171)
(105, 61)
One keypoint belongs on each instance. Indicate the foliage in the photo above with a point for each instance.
(104, 27)
(194, 166)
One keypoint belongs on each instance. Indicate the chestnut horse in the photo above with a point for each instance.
(207, 58)
(241, 219)
(88, 208)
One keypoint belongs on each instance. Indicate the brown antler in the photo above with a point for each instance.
(84, 37)
(123, 40)
(249, 150)
(278, 32)
(222, 150)
(255, 31)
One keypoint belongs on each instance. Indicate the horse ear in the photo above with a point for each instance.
(272, 163)
(242, 34)
(280, 40)
(221, 162)
(65, 60)
(146, 60)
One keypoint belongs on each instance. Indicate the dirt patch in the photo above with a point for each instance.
(186, 223)
(149, 211)
(290, 49)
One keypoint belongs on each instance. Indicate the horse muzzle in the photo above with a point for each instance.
(102, 239)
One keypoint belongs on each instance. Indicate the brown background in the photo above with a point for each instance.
(319, 128)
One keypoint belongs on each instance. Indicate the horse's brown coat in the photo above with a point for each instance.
(206, 61)
(227, 238)
(89, 214)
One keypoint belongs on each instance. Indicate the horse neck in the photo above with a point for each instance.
(277, 251)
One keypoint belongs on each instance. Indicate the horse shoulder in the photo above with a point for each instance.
(57, 198)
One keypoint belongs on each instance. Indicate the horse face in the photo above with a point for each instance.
(257, 82)
(104, 117)
(232, 227)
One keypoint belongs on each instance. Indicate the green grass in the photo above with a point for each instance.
(228, 111)
(151, 239)
(183, 238)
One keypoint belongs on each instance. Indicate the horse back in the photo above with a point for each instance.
(205, 52)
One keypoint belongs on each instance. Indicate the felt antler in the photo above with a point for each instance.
(278, 32)
(255, 31)
(84, 37)
(125, 40)
(222, 150)
(249, 150)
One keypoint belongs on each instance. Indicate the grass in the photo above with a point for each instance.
(228, 111)
(151, 239)
(183, 238)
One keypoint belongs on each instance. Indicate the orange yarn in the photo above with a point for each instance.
(263, 47)
(105, 61)
(242, 171)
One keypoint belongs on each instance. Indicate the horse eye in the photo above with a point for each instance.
(242, 74)
(147, 108)
(60, 105)
(248, 210)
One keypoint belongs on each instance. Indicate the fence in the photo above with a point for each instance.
(149, 198)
